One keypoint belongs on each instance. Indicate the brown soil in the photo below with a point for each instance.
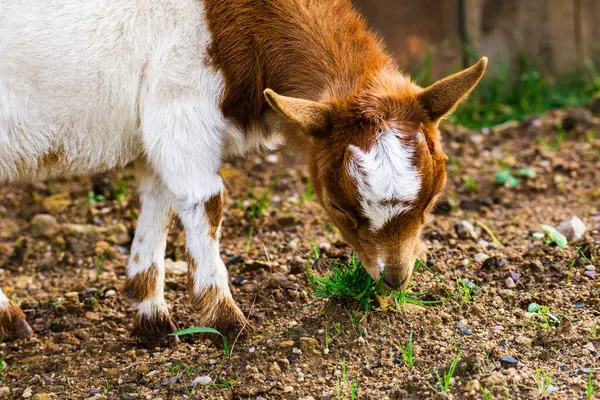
(82, 343)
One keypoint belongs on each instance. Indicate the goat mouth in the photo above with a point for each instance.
(390, 285)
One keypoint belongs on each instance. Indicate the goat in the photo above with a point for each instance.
(174, 87)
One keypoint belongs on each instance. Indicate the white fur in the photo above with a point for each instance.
(89, 86)
(150, 241)
(4, 301)
(103, 82)
(210, 269)
(385, 172)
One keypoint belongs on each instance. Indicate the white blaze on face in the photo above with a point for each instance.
(387, 181)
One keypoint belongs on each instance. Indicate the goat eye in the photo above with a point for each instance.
(337, 208)
(340, 210)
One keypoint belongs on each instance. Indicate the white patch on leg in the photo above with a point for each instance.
(148, 248)
(4, 301)
(150, 239)
(204, 249)
(152, 307)
(385, 173)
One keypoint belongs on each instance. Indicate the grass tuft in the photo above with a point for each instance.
(543, 380)
(351, 280)
(407, 352)
(591, 388)
(445, 379)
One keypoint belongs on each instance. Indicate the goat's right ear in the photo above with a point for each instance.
(312, 117)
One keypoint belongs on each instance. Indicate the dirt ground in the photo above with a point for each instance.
(69, 284)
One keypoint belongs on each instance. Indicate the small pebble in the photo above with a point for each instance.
(233, 260)
(467, 332)
(510, 283)
(551, 389)
(459, 325)
(169, 381)
(590, 268)
(480, 257)
(252, 349)
(483, 243)
(382, 339)
(239, 280)
(508, 361)
(272, 159)
(397, 360)
(325, 246)
(573, 228)
(110, 293)
(201, 380)
(27, 393)
(296, 350)
(212, 361)
(590, 274)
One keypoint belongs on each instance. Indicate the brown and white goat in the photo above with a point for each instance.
(176, 86)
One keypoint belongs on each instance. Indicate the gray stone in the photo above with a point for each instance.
(465, 230)
(480, 257)
(510, 283)
(573, 228)
(508, 361)
(201, 380)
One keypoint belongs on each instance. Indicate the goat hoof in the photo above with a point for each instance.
(13, 324)
(221, 314)
(155, 331)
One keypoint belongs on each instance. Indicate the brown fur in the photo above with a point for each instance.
(218, 312)
(214, 213)
(298, 48)
(190, 273)
(143, 285)
(331, 77)
(13, 324)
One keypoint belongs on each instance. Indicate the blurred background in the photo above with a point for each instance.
(543, 53)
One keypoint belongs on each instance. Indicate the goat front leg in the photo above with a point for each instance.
(146, 271)
(208, 282)
(184, 138)
(12, 320)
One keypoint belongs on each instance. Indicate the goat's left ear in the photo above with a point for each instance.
(313, 117)
(444, 95)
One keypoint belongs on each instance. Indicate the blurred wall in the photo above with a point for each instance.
(559, 35)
